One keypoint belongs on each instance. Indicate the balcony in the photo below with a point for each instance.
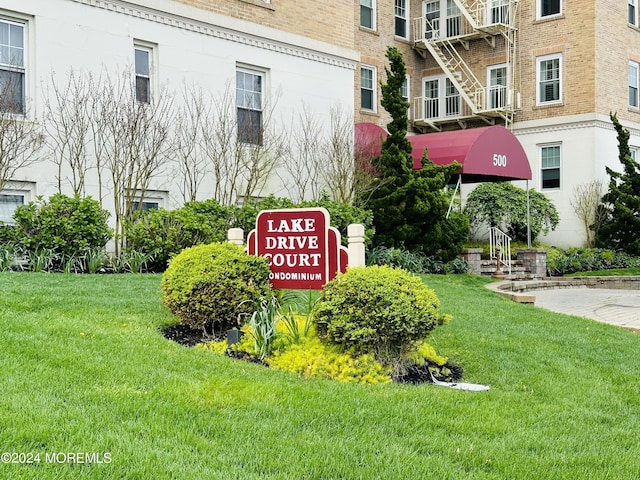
(434, 112)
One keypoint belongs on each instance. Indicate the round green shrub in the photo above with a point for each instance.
(67, 226)
(379, 310)
(211, 286)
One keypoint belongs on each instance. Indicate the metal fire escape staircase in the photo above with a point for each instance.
(441, 37)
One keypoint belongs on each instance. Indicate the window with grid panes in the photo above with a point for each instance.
(550, 166)
(12, 67)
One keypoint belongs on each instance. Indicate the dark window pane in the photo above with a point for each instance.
(250, 126)
(401, 27)
(366, 17)
(366, 99)
(143, 90)
(12, 92)
(551, 178)
(550, 7)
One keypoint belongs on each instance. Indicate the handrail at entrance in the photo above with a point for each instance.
(500, 247)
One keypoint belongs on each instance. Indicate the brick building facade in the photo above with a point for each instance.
(553, 70)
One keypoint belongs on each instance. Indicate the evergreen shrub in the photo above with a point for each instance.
(211, 287)
(162, 234)
(572, 260)
(66, 227)
(379, 310)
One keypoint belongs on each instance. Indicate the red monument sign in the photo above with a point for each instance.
(303, 250)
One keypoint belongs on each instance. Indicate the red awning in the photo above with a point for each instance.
(487, 154)
(368, 139)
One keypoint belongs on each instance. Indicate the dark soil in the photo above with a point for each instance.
(422, 373)
(184, 335)
(414, 374)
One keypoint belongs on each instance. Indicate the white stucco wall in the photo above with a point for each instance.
(588, 143)
(190, 46)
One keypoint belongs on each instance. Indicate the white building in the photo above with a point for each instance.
(165, 45)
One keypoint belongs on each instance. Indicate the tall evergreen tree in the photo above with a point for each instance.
(409, 206)
(621, 227)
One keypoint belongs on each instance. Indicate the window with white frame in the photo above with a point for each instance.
(550, 166)
(250, 90)
(405, 92)
(548, 8)
(143, 58)
(368, 14)
(404, 89)
(368, 88)
(500, 11)
(9, 201)
(441, 98)
(431, 10)
(12, 67)
(497, 81)
(633, 12)
(633, 85)
(443, 18)
(401, 15)
(549, 79)
(633, 151)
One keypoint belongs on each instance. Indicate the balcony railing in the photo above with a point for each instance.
(427, 109)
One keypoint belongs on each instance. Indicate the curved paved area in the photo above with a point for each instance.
(617, 307)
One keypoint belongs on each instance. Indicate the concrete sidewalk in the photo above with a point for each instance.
(617, 307)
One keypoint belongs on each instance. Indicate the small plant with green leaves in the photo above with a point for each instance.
(64, 225)
(42, 260)
(9, 254)
(298, 327)
(297, 317)
(137, 261)
(263, 323)
(95, 259)
(73, 263)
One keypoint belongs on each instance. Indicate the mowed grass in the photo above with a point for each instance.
(85, 369)
(607, 273)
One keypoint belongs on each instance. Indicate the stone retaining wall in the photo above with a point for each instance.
(520, 291)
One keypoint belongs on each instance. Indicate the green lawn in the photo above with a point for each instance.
(607, 273)
(86, 370)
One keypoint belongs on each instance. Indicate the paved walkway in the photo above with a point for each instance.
(617, 307)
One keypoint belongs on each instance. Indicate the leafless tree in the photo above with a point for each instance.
(67, 121)
(365, 149)
(587, 204)
(218, 137)
(133, 144)
(302, 163)
(338, 170)
(260, 160)
(21, 139)
(240, 168)
(193, 120)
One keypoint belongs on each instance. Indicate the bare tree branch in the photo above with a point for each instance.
(587, 204)
(67, 121)
(21, 140)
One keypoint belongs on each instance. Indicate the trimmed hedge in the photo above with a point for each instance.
(379, 310)
(211, 287)
(162, 234)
